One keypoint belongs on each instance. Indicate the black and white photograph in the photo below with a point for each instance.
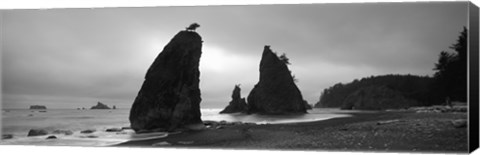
(354, 77)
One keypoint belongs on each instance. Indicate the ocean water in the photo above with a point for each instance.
(19, 121)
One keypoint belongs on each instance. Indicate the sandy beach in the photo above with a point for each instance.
(396, 131)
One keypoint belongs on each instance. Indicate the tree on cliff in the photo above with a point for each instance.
(451, 75)
(284, 58)
(411, 86)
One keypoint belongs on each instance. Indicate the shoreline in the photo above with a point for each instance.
(402, 131)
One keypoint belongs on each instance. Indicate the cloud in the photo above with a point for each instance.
(80, 56)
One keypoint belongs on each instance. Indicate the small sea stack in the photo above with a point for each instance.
(276, 92)
(38, 107)
(170, 95)
(238, 104)
(100, 105)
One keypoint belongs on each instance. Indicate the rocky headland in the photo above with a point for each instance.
(377, 98)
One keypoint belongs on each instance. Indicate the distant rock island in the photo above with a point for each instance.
(238, 104)
(276, 92)
(170, 95)
(100, 105)
(40, 107)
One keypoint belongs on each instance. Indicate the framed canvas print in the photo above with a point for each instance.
(354, 77)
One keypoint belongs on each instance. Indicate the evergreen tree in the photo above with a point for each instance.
(451, 75)
(284, 58)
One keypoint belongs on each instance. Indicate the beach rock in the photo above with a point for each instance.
(276, 91)
(89, 136)
(126, 128)
(238, 104)
(88, 131)
(460, 123)
(170, 95)
(185, 142)
(38, 107)
(387, 122)
(66, 132)
(376, 98)
(113, 130)
(7, 136)
(162, 144)
(222, 122)
(100, 105)
(37, 132)
(52, 137)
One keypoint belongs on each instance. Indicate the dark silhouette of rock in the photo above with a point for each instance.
(7, 136)
(37, 132)
(170, 96)
(307, 106)
(237, 104)
(377, 98)
(88, 131)
(38, 107)
(100, 105)
(114, 107)
(66, 132)
(52, 137)
(276, 92)
(114, 130)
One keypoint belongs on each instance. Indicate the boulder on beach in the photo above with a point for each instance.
(38, 107)
(100, 105)
(88, 131)
(65, 132)
(7, 136)
(52, 137)
(37, 132)
(114, 130)
(276, 91)
(460, 123)
(237, 104)
(170, 95)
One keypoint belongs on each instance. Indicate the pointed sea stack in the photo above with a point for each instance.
(237, 104)
(276, 92)
(170, 96)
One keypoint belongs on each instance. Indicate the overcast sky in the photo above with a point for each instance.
(69, 58)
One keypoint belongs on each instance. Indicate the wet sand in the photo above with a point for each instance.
(403, 131)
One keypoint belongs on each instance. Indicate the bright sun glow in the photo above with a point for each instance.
(216, 59)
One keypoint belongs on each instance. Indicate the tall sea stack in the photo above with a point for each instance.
(170, 96)
(276, 92)
(237, 104)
